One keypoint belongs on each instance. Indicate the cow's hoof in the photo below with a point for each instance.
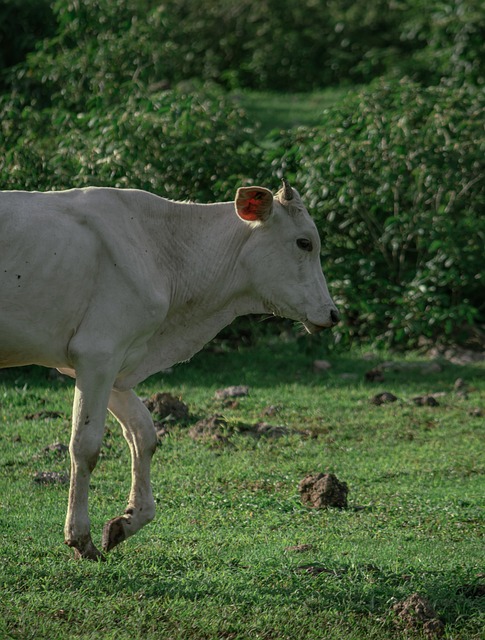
(86, 551)
(89, 554)
(114, 533)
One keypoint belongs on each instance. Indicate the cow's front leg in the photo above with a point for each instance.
(88, 419)
(139, 432)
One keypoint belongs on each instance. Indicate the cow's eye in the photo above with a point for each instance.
(304, 244)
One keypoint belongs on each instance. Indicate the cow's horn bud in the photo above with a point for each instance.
(288, 191)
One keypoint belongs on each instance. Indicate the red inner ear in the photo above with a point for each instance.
(251, 208)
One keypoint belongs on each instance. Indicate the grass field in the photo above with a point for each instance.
(218, 562)
(271, 111)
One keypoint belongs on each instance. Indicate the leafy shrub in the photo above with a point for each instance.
(449, 41)
(102, 50)
(105, 48)
(179, 144)
(394, 176)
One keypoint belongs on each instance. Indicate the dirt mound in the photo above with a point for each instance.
(476, 412)
(57, 447)
(237, 391)
(217, 429)
(214, 430)
(45, 415)
(383, 398)
(416, 613)
(264, 429)
(213, 425)
(299, 548)
(167, 408)
(51, 477)
(323, 490)
(426, 401)
(271, 410)
(374, 375)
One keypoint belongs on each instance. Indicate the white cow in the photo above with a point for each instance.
(112, 285)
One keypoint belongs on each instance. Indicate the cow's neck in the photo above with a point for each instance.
(200, 249)
(204, 245)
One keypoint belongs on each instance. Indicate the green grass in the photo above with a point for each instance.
(286, 110)
(214, 562)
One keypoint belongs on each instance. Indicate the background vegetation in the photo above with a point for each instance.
(168, 97)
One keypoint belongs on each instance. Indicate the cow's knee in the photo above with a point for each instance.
(150, 439)
(84, 447)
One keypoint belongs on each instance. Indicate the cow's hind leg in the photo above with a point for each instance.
(88, 419)
(139, 432)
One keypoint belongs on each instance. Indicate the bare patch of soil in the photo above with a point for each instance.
(323, 490)
(271, 410)
(264, 429)
(459, 384)
(321, 365)
(476, 412)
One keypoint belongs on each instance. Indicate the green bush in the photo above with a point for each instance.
(394, 176)
(448, 41)
(103, 49)
(175, 143)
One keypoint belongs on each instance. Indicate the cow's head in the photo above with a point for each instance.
(282, 256)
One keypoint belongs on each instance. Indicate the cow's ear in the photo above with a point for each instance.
(254, 204)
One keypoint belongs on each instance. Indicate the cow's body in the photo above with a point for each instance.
(112, 285)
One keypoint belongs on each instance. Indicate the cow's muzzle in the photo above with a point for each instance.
(334, 318)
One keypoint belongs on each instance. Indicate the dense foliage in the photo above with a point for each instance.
(394, 176)
(184, 144)
(100, 45)
(134, 93)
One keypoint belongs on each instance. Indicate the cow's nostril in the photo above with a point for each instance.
(334, 316)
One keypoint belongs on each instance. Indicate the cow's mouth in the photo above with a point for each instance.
(312, 327)
(315, 328)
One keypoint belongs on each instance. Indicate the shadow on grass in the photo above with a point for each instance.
(278, 363)
(356, 589)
